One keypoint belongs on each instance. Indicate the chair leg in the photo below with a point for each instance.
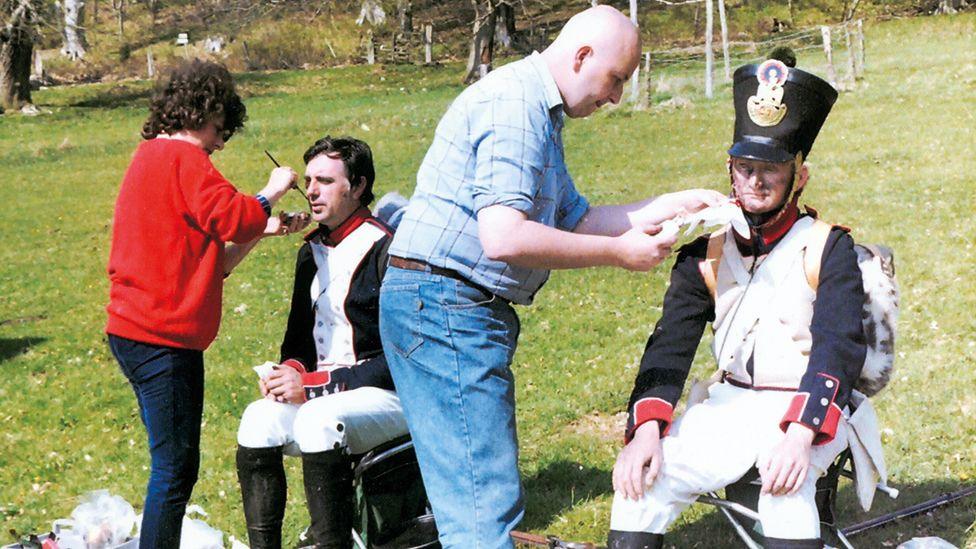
(634, 540)
(779, 543)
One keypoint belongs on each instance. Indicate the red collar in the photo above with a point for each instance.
(334, 236)
(764, 237)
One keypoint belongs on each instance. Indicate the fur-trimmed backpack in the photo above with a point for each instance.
(880, 314)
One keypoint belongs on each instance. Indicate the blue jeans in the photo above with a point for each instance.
(449, 346)
(168, 384)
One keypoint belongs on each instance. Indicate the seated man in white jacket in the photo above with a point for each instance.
(789, 353)
(332, 394)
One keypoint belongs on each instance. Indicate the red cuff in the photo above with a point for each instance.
(314, 379)
(295, 364)
(827, 428)
(651, 409)
(314, 384)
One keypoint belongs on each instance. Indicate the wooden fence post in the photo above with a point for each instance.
(645, 95)
(860, 48)
(247, 56)
(709, 23)
(38, 68)
(851, 70)
(150, 64)
(831, 73)
(725, 39)
(634, 78)
(429, 43)
(370, 49)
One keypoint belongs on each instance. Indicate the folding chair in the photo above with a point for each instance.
(392, 510)
(742, 498)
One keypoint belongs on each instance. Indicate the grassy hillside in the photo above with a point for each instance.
(894, 161)
(291, 34)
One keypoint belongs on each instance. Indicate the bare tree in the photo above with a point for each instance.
(504, 24)
(72, 15)
(947, 7)
(17, 37)
(371, 11)
(405, 15)
(153, 7)
(482, 40)
(119, 7)
(494, 20)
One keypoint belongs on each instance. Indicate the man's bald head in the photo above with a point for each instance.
(595, 53)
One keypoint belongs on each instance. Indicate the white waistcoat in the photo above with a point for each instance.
(335, 266)
(767, 318)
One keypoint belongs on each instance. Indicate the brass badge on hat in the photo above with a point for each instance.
(766, 108)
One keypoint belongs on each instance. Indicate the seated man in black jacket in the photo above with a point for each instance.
(331, 395)
(789, 347)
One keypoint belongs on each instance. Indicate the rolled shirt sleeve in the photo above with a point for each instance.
(510, 154)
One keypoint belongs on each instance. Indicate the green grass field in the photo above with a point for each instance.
(895, 161)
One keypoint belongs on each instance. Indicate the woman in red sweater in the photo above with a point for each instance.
(180, 227)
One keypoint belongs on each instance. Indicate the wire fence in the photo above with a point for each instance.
(684, 71)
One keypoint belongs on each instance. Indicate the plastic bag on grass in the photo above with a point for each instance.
(198, 534)
(103, 520)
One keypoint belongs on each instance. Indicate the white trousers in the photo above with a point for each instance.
(714, 444)
(355, 421)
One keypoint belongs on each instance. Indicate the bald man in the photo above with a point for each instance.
(494, 210)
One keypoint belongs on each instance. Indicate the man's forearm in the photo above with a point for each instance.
(612, 220)
(645, 214)
(507, 235)
(537, 246)
(235, 253)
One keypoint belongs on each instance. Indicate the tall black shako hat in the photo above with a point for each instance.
(779, 109)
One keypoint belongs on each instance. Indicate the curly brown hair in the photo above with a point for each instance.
(196, 92)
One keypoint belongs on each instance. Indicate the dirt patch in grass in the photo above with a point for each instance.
(601, 425)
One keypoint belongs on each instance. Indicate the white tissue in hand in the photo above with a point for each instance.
(722, 214)
(265, 369)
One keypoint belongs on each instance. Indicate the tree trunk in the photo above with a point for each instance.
(405, 15)
(372, 12)
(504, 24)
(153, 6)
(482, 40)
(73, 31)
(16, 49)
(119, 6)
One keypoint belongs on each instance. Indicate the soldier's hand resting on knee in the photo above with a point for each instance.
(639, 462)
(284, 384)
(786, 467)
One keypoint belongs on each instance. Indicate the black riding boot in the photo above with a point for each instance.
(263, 488)
(328, 489)
(634, 540)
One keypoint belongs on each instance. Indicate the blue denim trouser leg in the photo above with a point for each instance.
(449, 346)
(168, 384)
